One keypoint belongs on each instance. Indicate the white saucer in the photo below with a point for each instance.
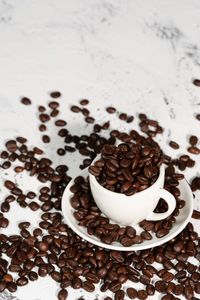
(181, 220)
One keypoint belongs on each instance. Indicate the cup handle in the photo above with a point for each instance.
(171, 201)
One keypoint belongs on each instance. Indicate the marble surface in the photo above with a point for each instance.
(140, 56)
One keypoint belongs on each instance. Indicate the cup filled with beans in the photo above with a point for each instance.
(127, 182)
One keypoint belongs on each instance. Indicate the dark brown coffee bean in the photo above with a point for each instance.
(84, 102)
(193, 140)
(174, 145)
(44, 118)
(55, 94)
(142, 294)
(62, 295)
(32, 276)
(5, 206)
(4, 223)
(94, 170)
(25, 101)
(60, 123)
(162, 232)
(46, 139)
(9, 184)
(31, 195)
(146, 235)
(22, 281)
(196, 82)
(75, 108)
(61, 151)
(42, 128)
(11, 286)
(89, 120)
(150, 289)
(193, 150)
(188, 292)
(132, 293)
(160, 286)
(88, 286)
(196, 214)
(34, 205)
(111, 110)
(119, 295)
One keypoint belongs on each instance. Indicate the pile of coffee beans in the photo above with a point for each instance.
(128, 168)
(53, 249)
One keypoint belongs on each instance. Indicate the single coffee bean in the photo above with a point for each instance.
(132, 293)
(62, 295)
(88, 286)
(60, 123)
(174, 145)
(119, 295)
(55, 94)
(84, 102)
(25, 101)
(111, 110)
(193, 150)
(75, 108)
(196, 82)
(46, 139)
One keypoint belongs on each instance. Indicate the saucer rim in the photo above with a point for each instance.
(155, 241)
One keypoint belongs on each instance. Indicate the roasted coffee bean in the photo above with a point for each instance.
(193, 150)
(196, 214)
(75, 108)
(84, 102)
(42, 128)
(88, 286)
(132, 293)
(89, 120)
(25, 101)
(193, 140)
(55, 94)
(60, 123)
(44, 118)
(174, 145)
(21, 281)
(62, 295)
(196, 82)
(9, 184)
(9, 199)
(119, 295)
(111, 110)
(46, 139)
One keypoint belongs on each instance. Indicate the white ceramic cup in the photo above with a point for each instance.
(130, 210)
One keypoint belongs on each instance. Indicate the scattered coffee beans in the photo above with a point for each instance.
(54, 249)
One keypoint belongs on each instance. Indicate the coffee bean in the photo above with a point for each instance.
(44, 118)
(25, 101)
(34, 205)
(75, 108)
(4, 223)
(132, 293)
(60, 123)
(142, 294)
(32, 276)
(119, 295)
(21, 281)
(62, 295)
(84, 102)
(193, 150)
(42, 128)
(111, 110)
(174, 145)
(46, 139)
(11, 286)
(88, 286)
(55, 94)
(193, 140)
(89, 120)
(61, 151)
(162, 232)
(196, 214)
(196, 82)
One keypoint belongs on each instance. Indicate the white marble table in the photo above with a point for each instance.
(136, 55)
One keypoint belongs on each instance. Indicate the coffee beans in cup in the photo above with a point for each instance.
(129, 167)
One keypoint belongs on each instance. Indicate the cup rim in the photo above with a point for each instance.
(93, 178)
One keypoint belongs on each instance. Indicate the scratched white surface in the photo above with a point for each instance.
(136, 55)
